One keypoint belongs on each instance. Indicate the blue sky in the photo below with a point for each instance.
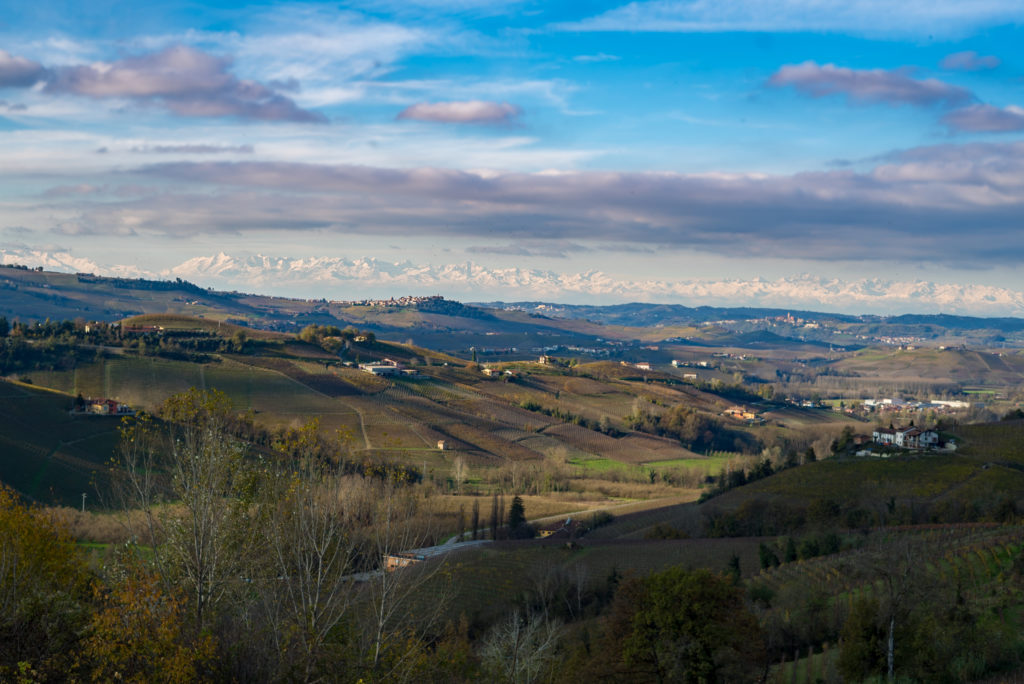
(650, 143)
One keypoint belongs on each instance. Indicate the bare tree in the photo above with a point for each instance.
(311, 550)
(520, 648)
(139, 482)
(399, 524)
(460, 472)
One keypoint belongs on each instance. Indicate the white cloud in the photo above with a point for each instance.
(599, 57)
(970, 61)
(947, 18)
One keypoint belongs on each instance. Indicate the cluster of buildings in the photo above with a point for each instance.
(573, 349)
(492, 372)
(389, 368)
(103, 407)
(903, 405)
(788, 319)
(408, 300)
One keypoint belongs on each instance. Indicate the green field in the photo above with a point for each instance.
(712, 464)
(49, 455)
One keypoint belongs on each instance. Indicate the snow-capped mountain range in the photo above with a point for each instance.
(343, 278)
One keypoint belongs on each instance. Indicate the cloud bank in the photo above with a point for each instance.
(964, 113)
(957, 205)
(868, 85)
(983, 118)
(18, 72)
(180, 79)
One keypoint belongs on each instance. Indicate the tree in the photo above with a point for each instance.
(691, 626)
(397, 523)
(311, 517)
(210, 541)
(863, 641)
(5, 327)
(238, 341)
(460, 525)
(476, 518)
(138, 481)
(897, 567)
(516, 514)
(767, 557)
(460, 471)
(790, 554)
(734, 568)
(494, 515)
(137, 632)
(521, 648)
(44, 593)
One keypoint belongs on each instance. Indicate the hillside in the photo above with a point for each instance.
(517, 330)
(635, 469)
(48, 455)
(596, 424)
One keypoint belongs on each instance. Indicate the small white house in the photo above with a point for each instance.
(380, 369)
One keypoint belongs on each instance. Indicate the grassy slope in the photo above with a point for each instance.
(47, 454)
(934, 365)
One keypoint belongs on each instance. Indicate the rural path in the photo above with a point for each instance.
(362, 425)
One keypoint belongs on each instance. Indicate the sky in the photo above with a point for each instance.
(852, 156)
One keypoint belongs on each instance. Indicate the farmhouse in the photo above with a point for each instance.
(103, 407)
(741, 413)
(394, 561)
(380, 370)
(884, 436)
(906, 437)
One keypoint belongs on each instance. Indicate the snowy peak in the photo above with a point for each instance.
(351, 278)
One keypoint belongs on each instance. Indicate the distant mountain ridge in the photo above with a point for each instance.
(340, 278)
